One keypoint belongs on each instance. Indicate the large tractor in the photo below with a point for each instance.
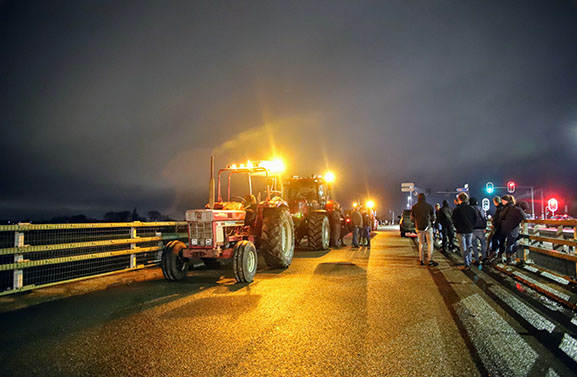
(236, 229)
(314, 210)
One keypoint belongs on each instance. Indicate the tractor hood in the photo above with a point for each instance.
(214, 215)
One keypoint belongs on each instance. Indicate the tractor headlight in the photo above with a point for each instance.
(208, 242)
(193, 242)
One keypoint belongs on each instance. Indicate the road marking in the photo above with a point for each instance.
(525, 311)
(574, 320)
(556, 278)
(494, 339)
(569, 346)
(551, 373)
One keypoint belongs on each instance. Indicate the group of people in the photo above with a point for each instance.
(469, 222)
(361, 222)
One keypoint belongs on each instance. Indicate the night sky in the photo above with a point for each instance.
(114, 105)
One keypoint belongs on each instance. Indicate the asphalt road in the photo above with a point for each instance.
(338, 313)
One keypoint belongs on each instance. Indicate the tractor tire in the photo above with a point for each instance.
(244, 262)
(213, 263)
(335, 234)
(174, 267)
(277, 238)
(319, 231)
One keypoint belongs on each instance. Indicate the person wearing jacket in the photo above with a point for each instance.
(497, 240)
(510, 220)
(357, 221)
(446, 221)
(479, 241)
(465, 218)
(366, 229)
(423, 216)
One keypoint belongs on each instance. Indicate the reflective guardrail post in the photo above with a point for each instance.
(133, 235)
(18, 281)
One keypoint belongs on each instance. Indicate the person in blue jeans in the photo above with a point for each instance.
(464, 219)
(357, 221)
(479, 240)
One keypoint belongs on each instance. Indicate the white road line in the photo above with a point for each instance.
(525, 311)
(501, 349)
(569, 346)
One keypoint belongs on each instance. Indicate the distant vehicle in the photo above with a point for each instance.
(406, 225)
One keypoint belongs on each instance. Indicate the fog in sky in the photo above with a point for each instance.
(112, 105)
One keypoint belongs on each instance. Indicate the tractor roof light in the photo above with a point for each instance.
(370, 204)
(330, 177)
(276, 166)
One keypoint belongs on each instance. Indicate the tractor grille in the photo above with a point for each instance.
(200, 229)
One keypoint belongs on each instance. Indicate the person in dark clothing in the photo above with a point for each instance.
(357, 221)
(342, 224)
(366, 229)
(479, 240)
(510, 219)
(497, 239)
(464, 219)
(423, 216)
(446, 221)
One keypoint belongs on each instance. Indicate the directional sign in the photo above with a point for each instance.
(407, 186)
(486, 203)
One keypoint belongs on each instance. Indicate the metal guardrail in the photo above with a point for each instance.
(551, 244)
(40, 255)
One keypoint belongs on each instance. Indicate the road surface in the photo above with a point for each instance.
(343, 312)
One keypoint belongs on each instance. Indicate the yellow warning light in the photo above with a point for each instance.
(249, 164)
(330, 177)
(355, 205)
(233, 166)
(275, 166)
(370, 204)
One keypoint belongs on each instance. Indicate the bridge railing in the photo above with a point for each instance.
(40, 255)
(551, 244)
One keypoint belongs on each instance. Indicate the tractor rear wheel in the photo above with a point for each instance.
(277, 238)
(174, 266)
(319, 231)
(244, 261)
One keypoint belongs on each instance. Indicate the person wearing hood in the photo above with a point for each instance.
(447, 232)
(465, 218)
(423, 216)
(479, 240)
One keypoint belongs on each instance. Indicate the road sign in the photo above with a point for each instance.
(407, 186)
(486, 203)
(462, 189)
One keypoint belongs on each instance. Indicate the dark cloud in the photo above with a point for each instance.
(107, 105)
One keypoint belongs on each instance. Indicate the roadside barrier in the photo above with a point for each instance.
(551, 244)
(39, 255)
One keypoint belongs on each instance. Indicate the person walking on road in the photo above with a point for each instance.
(357, 221)
(423, 216)
(447, 233)
(464, 218)
(479, 240)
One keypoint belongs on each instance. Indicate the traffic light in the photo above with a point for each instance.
(490, 187)
(553, 205)
(511, 187)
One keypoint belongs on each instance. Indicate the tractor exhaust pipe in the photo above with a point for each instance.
(211, 184)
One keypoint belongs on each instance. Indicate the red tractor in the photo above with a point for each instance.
(235, 229)
(315, 212)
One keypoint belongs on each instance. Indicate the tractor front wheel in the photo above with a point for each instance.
(174, 266)
(319, 231)
(277, 238)
(244, 262)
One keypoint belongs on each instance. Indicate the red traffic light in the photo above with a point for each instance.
(511, 187)
(553, 205)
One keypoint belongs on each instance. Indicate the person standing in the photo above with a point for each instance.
(511, 218)
(357, 221)
(423, 216)
(366, 229)
(464, 218)
(497, 240)
(479, 240)
(447, 232)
